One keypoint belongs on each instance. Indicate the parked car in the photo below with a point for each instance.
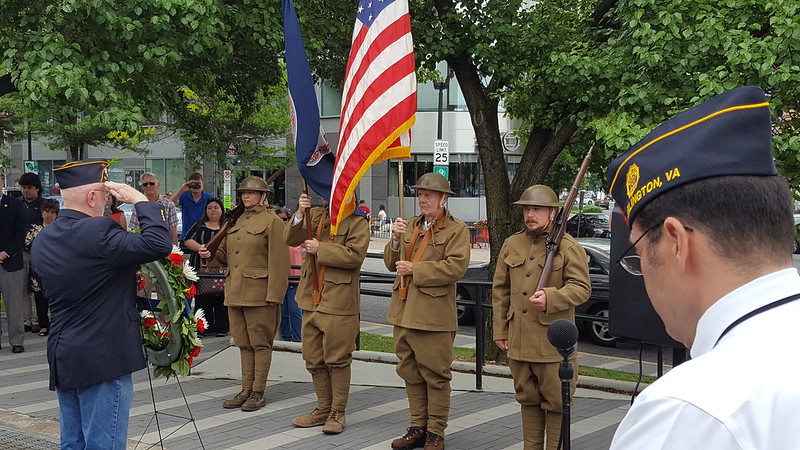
(598, 251)
(595, 225)
(604, 203)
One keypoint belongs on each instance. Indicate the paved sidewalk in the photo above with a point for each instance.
(378, 410)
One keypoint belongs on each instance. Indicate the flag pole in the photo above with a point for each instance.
(401, 196)
(313, 258)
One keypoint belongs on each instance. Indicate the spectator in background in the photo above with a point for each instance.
(291, 314)
(12, 276)
(381, 217)
(113, 211)
(150, 185)
(50, 208)
(192, 199)
(31, 187)
(362, 205)
(196, 239)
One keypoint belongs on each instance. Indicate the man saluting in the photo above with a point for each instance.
(94, 342)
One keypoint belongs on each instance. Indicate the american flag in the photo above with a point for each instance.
(379, 98)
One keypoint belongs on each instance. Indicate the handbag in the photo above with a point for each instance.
(210, 282)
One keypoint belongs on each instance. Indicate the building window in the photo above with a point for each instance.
(330, 100)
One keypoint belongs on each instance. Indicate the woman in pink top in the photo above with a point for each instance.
(291, 314)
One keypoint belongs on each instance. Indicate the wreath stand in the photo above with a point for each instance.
(165, 357)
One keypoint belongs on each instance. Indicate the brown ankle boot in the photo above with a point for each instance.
(256, 401)
(335, 423)
(316, 418)
(434, 442)
(237, 401)
(414, 438)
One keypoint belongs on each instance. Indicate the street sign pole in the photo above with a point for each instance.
(226, 189)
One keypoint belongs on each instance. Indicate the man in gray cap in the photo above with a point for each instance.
(712, 234)
(95, 339)
(522, 314)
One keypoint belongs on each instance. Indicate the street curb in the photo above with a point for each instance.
(585, 382)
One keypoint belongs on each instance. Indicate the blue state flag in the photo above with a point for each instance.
(314, 158)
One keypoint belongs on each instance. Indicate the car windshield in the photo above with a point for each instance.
(598, 219)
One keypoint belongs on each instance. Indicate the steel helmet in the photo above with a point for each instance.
(538, 195)
(433, 182)
(253, 183)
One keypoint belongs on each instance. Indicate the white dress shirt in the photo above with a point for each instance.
(740, 393)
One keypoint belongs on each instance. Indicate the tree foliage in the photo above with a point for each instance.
(123, 62)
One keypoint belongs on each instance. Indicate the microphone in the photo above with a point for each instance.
(563, 335)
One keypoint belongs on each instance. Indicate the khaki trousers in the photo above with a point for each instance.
(253, 329)
(538, 391)
(425, 358)
(328, 344)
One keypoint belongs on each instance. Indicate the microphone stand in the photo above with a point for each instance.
(565, 373)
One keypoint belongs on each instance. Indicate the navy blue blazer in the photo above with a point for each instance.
(87, 268)
(12, 232)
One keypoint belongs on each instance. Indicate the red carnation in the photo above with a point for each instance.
(191, 291)
(190, 360)
(201, 327)
(149, 322)
(140, 284)
(165, 334)
(195, 352)
(176, 259)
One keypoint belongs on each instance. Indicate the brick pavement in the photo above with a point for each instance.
(378, 410)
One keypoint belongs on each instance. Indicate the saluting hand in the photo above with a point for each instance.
(125, 193)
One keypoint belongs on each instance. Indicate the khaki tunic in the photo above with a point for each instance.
(342, 258)
(431, 302)
(257, 273)
(519, 267)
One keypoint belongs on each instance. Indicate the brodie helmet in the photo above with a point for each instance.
(434, 182)
(253, 183)
(538, 195)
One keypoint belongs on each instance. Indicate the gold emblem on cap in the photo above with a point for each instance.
(632, 179)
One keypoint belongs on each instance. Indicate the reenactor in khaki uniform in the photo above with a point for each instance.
(330, 327)
(256, 278)
(423, 308)
(521, 316)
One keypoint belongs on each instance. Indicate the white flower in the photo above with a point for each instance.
(200, 314)
(188, 271)
(176, 249)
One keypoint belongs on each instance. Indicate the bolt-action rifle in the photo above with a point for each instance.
(560, 228)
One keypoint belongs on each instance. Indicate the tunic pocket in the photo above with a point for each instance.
(254, 273)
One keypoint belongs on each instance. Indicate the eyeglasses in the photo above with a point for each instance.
(148, 183)
(632, 263)
(104, 191)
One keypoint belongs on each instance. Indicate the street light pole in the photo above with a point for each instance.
(441, 86)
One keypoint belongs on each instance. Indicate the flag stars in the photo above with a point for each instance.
(370, 17)
(360, 9)
(369, 5)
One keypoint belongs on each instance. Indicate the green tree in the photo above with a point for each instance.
(122, 62)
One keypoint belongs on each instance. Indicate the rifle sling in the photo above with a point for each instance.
(418, 253)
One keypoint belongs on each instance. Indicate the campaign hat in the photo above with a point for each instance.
(730, 134)
(79, 173)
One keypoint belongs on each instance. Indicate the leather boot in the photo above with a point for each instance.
(414, 438)
(256, 401)
(335, 423)
(434, 442)
(237, 401)
(553, 427)
(340, 387)
(532, 427)
(317, 417)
